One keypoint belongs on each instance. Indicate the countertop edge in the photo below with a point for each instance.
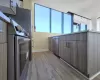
(4, 17)
(77, 33)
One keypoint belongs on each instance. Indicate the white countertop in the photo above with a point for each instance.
(4, 17)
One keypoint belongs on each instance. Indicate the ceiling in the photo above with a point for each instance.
(86, 8)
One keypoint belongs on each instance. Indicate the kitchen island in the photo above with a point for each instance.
(79, 50)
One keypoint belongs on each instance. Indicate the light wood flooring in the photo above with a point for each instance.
(46, 66)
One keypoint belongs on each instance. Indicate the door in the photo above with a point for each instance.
(74, 54)
(53, 45)
(82, 56)
(57, 46)
(67, 51)
(61, 48)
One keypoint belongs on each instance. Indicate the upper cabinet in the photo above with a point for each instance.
(9, 6)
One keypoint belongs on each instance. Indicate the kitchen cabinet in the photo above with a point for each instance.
(82, 56)
(66, 51)
(80, 50)
(73, 54)
(3, 50)
(3, 32)
(74, 51)
(8, 6)
(54, 45)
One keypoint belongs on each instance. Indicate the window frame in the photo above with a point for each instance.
(62, 20)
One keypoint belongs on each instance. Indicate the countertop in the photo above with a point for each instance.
(77, 33)
(4, 17)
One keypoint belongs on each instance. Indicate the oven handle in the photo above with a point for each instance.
(24, 40)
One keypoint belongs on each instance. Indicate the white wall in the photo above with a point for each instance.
(98, 24)
(79, 20)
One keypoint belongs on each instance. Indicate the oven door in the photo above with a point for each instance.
(21, 56)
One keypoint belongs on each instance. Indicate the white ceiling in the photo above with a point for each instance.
(86, 8)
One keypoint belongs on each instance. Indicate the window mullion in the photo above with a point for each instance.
(50, 20)
(62, 26)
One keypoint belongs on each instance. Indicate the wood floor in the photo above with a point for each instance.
(46, 66)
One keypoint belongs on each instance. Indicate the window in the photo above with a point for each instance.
(42, 18)
(56, 21)
(76, 27)
(67, 23)
(83, 27)
(50, 20)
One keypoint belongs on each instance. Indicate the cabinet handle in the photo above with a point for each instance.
(67, 44)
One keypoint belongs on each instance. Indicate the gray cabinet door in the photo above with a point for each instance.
(66, 51)
(74, 54)
(3, 31)
(98, 50)
(57, 46)
(82, 56)
(61, 48)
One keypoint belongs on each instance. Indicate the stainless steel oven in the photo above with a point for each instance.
(18, 53)
(18, 57)
(21, 55)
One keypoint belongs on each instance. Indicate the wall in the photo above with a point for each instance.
(39, 39)
(98, 24)
(27, 4)
(79, 20)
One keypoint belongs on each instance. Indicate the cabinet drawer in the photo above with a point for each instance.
(3, 31)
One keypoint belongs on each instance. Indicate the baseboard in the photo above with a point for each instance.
(94, 76)
(40, 50)
(91, 78)
(75, 70)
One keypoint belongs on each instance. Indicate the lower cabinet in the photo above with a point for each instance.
(66, 51)
(80, 50)
(3, 61)
(82, 56)
(3, 50)
(54, 45)
(74, 54)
